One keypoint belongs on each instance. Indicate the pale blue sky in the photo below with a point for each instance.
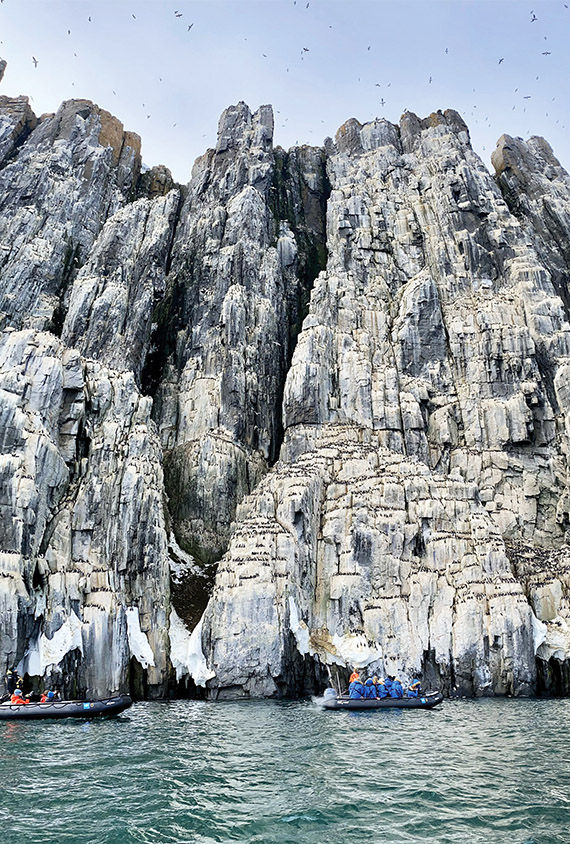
(360, 52)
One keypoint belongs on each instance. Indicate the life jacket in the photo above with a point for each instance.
(370, 689)
(381, 691)
(412, 692)
(17, 699)
(397, 689)
(43, 698)
(356, 690)
(388, 685)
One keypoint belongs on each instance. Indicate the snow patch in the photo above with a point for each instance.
(186, 653)
(556, 643)
(138, 642)
(298, 628)
(181, 563)
(539, 631)
(354, 649)
(45, 652)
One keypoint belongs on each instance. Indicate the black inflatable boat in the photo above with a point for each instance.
(426, 700)
(65, 708)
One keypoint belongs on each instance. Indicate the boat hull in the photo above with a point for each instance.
(65, 709)
(425, 701)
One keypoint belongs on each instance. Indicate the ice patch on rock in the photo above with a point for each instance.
(556, 642)
(45, 652)
(539, 631)
(354, 650)
(181, 563)
(138, 642)
(186, 653)
(298, 628)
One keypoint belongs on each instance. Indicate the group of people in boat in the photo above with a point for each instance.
(15, 695)
(373, 688)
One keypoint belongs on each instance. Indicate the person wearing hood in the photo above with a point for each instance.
(370, 689)
(356, 687)
(397, 690)
(18, 698)
(382, 690)
(414, 688)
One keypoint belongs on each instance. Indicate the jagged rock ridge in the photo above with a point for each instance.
(387, 487)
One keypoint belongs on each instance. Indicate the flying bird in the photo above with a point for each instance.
(305, 49)
(430, 80)
(35, 61)
(382, 102)
(501, 60)
(547, 53)
(133, 16)
(178, 14)
(89, 18)
(190, 27)
(528, 96)
(533, 18)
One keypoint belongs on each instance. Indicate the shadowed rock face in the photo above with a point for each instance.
(341, 372)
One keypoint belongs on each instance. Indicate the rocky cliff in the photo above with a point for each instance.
(310, 411)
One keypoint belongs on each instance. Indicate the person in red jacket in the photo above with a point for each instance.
(17, 697)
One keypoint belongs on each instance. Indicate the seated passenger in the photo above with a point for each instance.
(414, 688)
(397, 689)
(388, 685)
(17, 697)
(354, 676)
(370, 689)
(356, 688)
(47, 697)
(381, 690)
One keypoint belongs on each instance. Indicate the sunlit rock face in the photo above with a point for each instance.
(341, 372)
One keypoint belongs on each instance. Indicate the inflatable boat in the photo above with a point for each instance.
(426, 700)
(65, 708)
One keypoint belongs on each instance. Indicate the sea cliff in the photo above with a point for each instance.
(311, 409)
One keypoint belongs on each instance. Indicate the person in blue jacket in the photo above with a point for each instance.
(414, 688)
(356, 688)
(388, 685)
(397, 689)
(370, 689)
(381, 690)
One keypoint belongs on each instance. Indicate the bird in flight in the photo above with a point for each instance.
(305, 49)
(382, 102)
(35, 61)
(501, 60)
(178, 14)
(430, 80)
(533, 18)
(527, 97)
(133, 16)
(546, 53)
(190, 27)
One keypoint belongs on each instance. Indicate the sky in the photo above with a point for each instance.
(168, 69)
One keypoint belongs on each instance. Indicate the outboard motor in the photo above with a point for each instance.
(330, 695)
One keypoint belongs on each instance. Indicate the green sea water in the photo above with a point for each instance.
(488, 771)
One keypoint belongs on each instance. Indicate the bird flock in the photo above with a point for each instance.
(305, 51)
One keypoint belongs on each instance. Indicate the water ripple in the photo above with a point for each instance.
(283, 773)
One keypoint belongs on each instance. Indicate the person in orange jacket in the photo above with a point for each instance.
(17, 697)
(47, 697)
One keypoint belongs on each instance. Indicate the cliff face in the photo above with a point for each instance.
(309, 410)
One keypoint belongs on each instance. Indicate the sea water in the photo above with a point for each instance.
(488, 771)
